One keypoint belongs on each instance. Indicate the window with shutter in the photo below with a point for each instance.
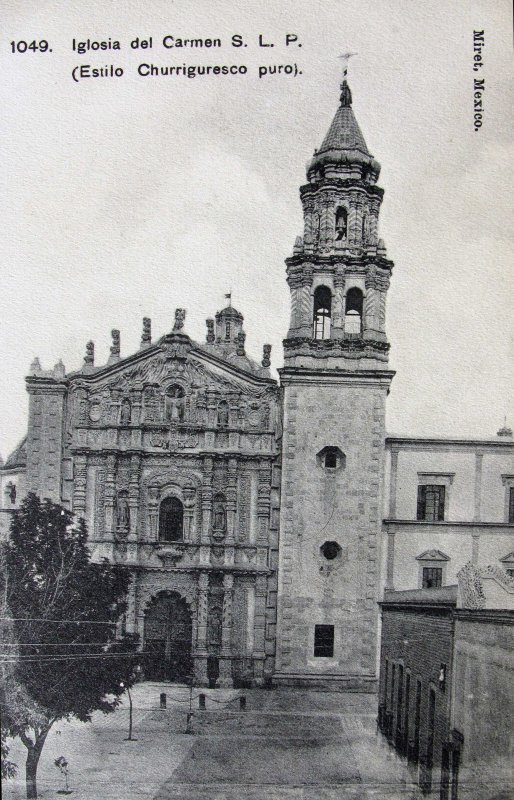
(431, 503)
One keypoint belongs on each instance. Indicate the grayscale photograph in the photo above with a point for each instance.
(256, 422)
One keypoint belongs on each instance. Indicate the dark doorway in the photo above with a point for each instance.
(213, 671)
(168, 632)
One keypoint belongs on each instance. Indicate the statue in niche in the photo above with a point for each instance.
(223, 414)
(126, 412)
(220, 513)
(10, 491)
(122, 512)
(175, 404)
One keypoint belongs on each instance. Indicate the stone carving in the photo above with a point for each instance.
(126, 412)
(89, 358)
(122, 512)
(175, 403)
(115, 346)
(266, 355)
(240, 343)
(180, 317)
(95, 411)
(223, 413)
(157, 370)
(210, 330)
(244, 508)
(99, 503)
(146, 336)
(219, 516)
(470, 587)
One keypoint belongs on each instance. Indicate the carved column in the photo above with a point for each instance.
(259, 628)
(326, 220)
(307, 228)
(263, 510)
(231, 495)
(305, 311)
(337, 331)
(153, 513)
(189, 493)
(201, 629)
(225, 678)
(137, 404)
(371, 308)
(114, 406)
(131, 606)
(110, 493)
(135, 473)
(79, 485)
(207, 493)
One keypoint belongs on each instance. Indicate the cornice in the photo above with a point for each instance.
(419, 443)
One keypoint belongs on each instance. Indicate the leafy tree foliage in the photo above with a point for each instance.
(60, 656)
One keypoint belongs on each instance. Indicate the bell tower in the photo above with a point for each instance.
(335, 381)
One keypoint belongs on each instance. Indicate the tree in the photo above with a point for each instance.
(60, 657)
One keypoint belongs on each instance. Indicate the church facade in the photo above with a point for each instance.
(261, 521)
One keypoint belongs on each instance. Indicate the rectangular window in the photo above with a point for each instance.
(511, 504)
(324, 641)
(432, 577)
(431, 503)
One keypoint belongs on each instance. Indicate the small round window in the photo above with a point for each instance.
(330, 550)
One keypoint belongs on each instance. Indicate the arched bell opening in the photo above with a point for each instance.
(353, 311)
(341, 224)
(322, 312)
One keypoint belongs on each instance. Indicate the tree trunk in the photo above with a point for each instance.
(33, 754)
(31, 771)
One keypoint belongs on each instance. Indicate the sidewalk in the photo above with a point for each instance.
(287, 745)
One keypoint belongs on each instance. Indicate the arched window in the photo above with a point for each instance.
(175, 403)
(171, 520)
(322, 312)
(341, 224)
(353, 313)
(227, 330)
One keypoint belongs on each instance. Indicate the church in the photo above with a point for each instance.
(263, 521)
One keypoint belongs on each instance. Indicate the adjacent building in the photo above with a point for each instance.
(446, 676)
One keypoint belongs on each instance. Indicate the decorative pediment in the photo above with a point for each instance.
(166, 366)
(432, 555)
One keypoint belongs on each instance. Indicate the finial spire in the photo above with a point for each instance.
(346, 95)
(228, 297)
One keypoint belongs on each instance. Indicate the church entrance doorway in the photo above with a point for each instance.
(168, 634)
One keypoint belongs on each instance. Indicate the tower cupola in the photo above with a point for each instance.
(339, 273)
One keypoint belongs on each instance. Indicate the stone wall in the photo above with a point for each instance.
(340, 506)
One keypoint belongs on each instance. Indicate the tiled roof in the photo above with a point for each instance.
(344, 133)
(18, 457)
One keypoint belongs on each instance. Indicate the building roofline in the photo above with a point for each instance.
(454, 441)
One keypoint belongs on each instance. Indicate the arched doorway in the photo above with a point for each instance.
(168, 635)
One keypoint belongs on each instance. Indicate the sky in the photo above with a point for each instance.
(132, 196)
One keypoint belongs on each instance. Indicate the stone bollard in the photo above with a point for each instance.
(163, 700)
(189, 722)
(242, 703)
(201, 702)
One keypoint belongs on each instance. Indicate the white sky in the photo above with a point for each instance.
(131, 197)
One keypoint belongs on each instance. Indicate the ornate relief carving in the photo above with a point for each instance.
(99, 504)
